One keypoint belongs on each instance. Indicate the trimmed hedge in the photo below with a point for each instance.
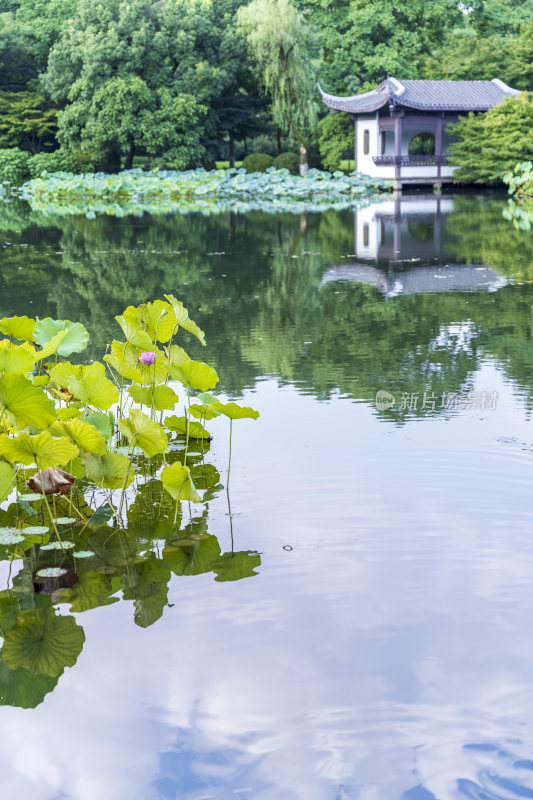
(257, 162)
(288, 161)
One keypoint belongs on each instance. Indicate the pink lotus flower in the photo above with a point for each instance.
(147, 357)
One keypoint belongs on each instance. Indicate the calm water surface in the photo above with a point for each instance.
(383, 648)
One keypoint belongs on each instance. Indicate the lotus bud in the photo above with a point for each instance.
(147, 357)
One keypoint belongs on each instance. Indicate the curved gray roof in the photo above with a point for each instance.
(425, 96)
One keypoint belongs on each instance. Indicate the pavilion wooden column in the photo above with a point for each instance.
(438, 143)
(354, 144)
(398, 144)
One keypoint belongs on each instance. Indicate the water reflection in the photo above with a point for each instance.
(387, 654)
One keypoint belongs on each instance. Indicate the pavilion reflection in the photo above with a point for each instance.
(402, 246)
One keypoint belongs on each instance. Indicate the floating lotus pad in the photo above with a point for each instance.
(51, 572)
(31, 497)
(57, 546)
(64, 520)
(10, 536)
(83, 553)
(35, 530)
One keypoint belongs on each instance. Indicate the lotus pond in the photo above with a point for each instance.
(335, 602)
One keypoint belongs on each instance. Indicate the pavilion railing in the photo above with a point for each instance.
(410, 161)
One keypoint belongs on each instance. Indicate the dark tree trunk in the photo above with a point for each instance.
(231, 151)
(129, 158)
(279, 140)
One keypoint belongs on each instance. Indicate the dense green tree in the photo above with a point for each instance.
(491, 144)
(282, 45)
(137, 74)
(26, 121)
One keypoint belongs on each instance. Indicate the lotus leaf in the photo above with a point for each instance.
(43, 643)
(234, 566)
(70, 412)
(196, 375)
(124, 359)
(83, 553)
(15, 359)
(160, 397)
(18, 328)
(22, 688)
(180, 425)
(35, 530)
(135, 337)
(10, 536)
(202, 412)
(182, 318)
(64, 520)
(74, 342)
(62, 545)
(84, 435)
(43, 449)
(177, 481)
(102, 422)
(233, 411)
(151, 317)
(25, 404)
(7, 477)
(53, 480)
(88, 383)
(51, 572)
(111, 471)
(144, 433)
(51, 347)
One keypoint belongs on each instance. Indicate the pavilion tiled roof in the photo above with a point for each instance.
(425, 96)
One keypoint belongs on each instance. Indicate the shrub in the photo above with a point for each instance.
(491, 144)
(288, 161)
(257, 162)
(58, 161)
(14, 165)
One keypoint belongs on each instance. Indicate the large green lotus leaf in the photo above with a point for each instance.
(162, 397)
(15, 359)
(85, 436)
(143, 432)
(135, 337)
(147, 317)
(205, 476)
(70, 412)
(43, 643)
(24, 403)
(43, 449)
(7, 476)
(101, 422)
(51, 347)
(88, 383)
(93, 590)
(196, 375)
(192, 556)
(64, 372)
(112, 471)
(124, 359)
(233, 411)
(177, 481)
(182, 318)
(22, 688)
(202, 412)
(75, 341)
(180, 425)
(18, 328)
(177, 355)
(234, 566)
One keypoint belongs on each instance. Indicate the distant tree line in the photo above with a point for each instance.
(183, 83)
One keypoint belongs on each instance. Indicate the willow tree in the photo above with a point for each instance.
(282, 45)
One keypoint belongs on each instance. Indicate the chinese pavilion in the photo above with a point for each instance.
(400, 127)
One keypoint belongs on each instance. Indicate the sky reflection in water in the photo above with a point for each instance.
(386, 655)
